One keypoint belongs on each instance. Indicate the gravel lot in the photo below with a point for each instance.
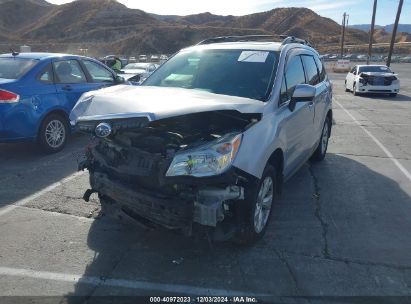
(341, 227)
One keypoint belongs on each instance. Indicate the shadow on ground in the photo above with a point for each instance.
(332, 234)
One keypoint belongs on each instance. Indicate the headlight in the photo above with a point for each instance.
(212, 159)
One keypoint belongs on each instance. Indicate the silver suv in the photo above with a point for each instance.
(205, 143)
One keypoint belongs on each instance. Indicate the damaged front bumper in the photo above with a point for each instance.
(135, 180)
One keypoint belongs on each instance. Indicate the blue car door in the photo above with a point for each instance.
(71, 81)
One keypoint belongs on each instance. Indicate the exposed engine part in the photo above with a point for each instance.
(210, 207)
(129, 167)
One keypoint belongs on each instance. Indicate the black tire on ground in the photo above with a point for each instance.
(259, 201)
(321, 150)
(346, 89)
(53, 133)
(393, 94)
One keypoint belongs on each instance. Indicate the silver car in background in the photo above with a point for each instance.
(206, 142)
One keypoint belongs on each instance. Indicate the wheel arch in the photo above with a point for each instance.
(57, 111)
(277, 161)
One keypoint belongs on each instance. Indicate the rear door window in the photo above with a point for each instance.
(69, 71)
(46, 75)
(15, 68)
(321, 68)
(310, 70)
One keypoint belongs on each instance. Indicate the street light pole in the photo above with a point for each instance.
(394, 32)
(372, 32)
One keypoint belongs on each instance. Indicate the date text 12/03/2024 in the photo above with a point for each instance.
(207, 299)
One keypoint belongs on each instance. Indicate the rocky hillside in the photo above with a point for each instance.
(112, 26)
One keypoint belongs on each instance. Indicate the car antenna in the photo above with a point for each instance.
(13, 52)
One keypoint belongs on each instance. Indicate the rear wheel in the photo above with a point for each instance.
(321, 150)
(53, 133)
(259, 201)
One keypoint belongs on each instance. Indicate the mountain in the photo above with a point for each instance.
(108, 26)
(17, 15)
(406, 28)
(381, 35)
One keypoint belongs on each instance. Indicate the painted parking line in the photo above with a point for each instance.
(379, 144)
(131, 284)
(34, 196)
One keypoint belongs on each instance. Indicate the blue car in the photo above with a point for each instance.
(38, 91)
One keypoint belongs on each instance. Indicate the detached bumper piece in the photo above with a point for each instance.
(169, 212)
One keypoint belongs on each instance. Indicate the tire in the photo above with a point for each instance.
(354, 90)
(346, 89)
(54, 132)
(393, 94)
(321, 151)
(257, 212)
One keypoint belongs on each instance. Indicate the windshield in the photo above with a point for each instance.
(380, 68)
(229, 72)
(14, 68)
(141, 66)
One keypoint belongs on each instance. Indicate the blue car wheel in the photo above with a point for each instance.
(53, 134)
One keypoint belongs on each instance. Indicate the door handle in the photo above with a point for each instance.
(66, 88)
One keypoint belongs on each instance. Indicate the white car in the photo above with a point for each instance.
(137, 72)
(372, 79)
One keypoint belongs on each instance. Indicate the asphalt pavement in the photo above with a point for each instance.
(341, 227)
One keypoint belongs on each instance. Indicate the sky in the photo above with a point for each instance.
(359, 10)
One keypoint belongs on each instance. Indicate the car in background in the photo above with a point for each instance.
(38, 91)
(155, 58)
(406, 59)
(142, 58)
(137, 72)
(132, 59)
(372, 79)
(105, 60)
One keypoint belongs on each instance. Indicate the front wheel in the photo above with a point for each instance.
(354, 90)
(53, 133)
(346, 89)
(321, 151)
(259, 201)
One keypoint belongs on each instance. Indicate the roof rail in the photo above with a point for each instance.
(284, 39)
(292, 39)
(236, 39)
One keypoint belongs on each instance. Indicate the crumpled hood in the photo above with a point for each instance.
(156, 103)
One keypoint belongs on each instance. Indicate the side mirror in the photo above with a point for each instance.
(302, 93)
(120, 80)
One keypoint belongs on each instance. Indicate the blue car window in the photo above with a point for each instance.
(15, 68)
(97, 72)
(69, 71)
(46, 75)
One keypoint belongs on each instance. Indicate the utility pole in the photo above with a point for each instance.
(344, 23)
(394, 32)
(372, 32)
